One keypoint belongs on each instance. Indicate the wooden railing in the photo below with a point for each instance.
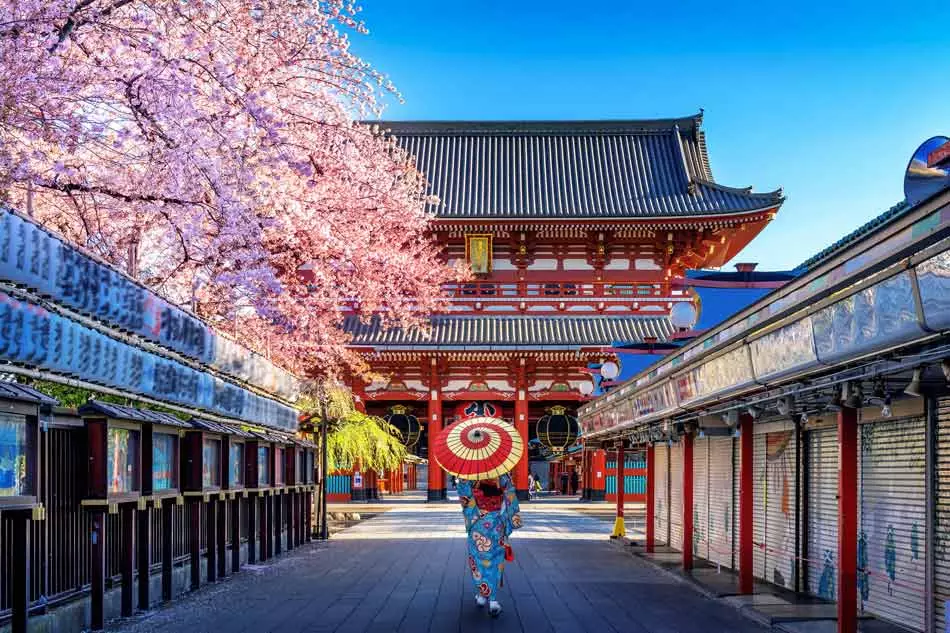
(490, 289)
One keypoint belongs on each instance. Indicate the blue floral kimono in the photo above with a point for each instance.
(489, 524)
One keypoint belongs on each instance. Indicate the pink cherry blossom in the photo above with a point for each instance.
(209, 147)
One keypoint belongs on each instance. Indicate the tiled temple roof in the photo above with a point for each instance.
(486, 332)
(571, 169)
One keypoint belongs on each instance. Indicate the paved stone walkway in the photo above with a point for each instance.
(405, 571)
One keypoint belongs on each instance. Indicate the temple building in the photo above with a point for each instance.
(579, 234)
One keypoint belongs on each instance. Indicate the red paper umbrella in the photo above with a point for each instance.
(478, 448)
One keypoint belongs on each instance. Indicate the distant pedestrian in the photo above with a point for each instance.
(575, 480)
(564, 482)
(531, 485)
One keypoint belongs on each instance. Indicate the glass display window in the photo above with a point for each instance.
(14, 456)
(122, 466)
(164, 462)
(211, 463)
(263, 466)
(236, 464)
(279, 466)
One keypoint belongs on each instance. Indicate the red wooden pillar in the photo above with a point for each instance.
(651, 482)
(619, 528)
(584, 477)
(688, 501)
(598, 468)
(847, 520)
(436, 476)
(521, 424)
(745, 503)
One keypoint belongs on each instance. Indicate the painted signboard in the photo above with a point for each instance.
(34, 259)
(32, 336)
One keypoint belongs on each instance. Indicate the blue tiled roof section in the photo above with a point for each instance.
(571, 169)
(216, 427)
(891, 214)
(119, 412)
(22, 393)
(742, 277)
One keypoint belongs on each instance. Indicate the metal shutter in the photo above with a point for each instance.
(676, 496)
(780, 491)
(661, 494)
(891, 538)
(721, 501)
(759, 506)
(942, 501)
(822, 528)
(701, 497)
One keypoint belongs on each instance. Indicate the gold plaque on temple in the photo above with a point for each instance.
(478, 253)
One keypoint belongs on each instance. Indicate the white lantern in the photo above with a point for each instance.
(683, 316)
(586, 388)
(609, 370)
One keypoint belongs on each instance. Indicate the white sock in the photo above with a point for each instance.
(494, 607)
(481, 600)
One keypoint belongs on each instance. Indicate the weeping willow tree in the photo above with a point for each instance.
(353, 436)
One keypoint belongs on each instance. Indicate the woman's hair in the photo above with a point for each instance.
(490, 488)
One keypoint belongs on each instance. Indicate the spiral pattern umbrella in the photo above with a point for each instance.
(478, 448)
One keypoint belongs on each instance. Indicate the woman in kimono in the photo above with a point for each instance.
(491, 514)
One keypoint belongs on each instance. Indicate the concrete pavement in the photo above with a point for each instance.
(404, 570)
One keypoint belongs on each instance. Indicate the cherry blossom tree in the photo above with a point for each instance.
(210, 148)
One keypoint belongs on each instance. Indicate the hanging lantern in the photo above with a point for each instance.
(406, 423)
(557, 430)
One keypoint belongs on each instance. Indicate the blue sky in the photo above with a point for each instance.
(828, 102)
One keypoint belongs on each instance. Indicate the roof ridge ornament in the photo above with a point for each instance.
(690, 185)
